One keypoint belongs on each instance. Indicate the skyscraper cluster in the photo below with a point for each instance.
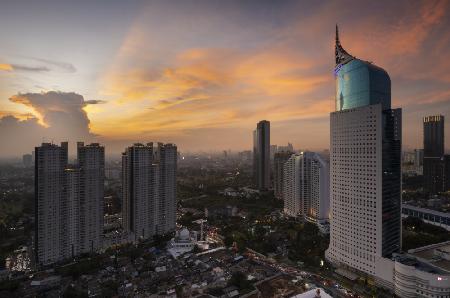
(69, 199)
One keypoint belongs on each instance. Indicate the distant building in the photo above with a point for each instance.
(306, 184)
(149, 189)
(69, 202)
(418, 161)
(27, 160)
(261, 153)
(278, 169)
(288, 148)
(245, 156)
(433, 153)
(226, 211)
(273, 150)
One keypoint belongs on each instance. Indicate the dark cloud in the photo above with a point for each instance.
(44, 65)
(60, 116)
(63, 66)
(19, 67)
(94, 102)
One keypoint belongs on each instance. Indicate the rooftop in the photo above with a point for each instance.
(432, 255)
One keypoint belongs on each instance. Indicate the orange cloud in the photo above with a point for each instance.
(6, 67)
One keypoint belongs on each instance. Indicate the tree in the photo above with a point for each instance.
(239, 280)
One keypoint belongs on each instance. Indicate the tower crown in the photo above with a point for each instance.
(342, 57)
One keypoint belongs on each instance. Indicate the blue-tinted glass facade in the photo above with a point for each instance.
(360, 83)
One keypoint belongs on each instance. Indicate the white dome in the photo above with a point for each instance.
(184, 234)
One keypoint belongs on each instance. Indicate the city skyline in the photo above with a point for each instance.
(184, 73)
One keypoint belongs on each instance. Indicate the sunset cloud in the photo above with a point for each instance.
(56, 116)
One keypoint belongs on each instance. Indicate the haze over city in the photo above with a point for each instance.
(201, 73)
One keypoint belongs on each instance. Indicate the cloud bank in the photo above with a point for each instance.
(56, 116)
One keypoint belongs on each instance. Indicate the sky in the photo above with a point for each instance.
(201, 74)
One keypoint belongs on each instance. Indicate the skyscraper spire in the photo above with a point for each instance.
(342, 56)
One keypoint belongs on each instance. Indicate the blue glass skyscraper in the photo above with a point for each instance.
(365, 170)
(359, 83)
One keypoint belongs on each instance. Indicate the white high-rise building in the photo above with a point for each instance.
(91, 164)
(149, 189)
(70, 212)
(166, 157)
(140, 190)
(365, 169)
(292, 194)
(69, 202)
(306, 187)
(319, 207)
(51, 160)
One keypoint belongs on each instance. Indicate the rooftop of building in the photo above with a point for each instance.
(436, 256)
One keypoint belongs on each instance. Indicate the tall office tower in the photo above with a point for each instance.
(139, 190)
(91, 164)
(50, 162)
(433, 153)
(279, 160)
(306, 187)
(69, 202)
(261, 145)
(149, 189)
(167, 199)
(365, 167)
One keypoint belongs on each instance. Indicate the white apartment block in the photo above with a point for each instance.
(306, 187)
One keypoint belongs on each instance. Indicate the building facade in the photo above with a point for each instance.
(279, 160)
(149, 189)
(418, 161)
(306, 187)
(167, 196)
(292, 194)
(68, 202)
(261, 153)
(91, 164)
(365, 167)
(433, 154)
